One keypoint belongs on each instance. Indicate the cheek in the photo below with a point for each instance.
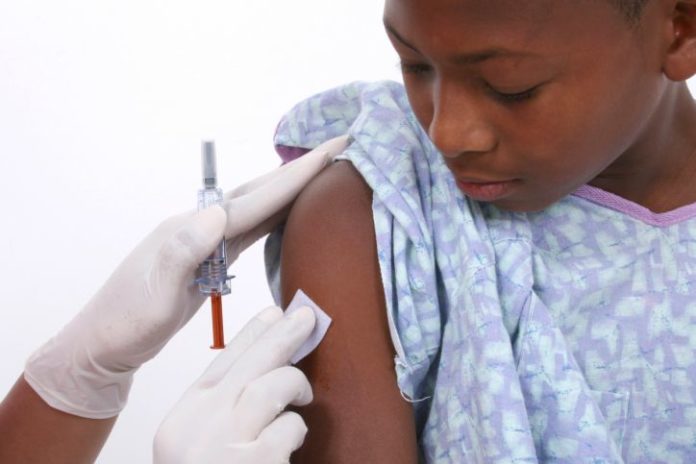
(576, 130)
(420, 99)
(554, 152)
(593, 119)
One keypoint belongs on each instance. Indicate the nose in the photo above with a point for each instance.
(459, 125)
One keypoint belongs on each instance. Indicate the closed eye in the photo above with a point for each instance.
(513, 97)
(420, 70)
(414, 69)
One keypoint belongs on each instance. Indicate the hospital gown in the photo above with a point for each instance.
(565, 335)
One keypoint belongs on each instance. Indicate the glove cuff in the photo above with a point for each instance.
(67, 380)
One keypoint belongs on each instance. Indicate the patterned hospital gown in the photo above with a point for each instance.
(566, 335)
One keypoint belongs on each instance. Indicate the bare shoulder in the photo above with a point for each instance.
(329, 252)
(332, 218)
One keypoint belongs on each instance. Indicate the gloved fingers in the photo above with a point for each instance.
(245, 211)
(313, 160)
(188, 246)
(336, 145)
(274, 347)
(266, 397)
(239, 344)
(236, 245)
(249, 210)
(304, 167)
(284, 435)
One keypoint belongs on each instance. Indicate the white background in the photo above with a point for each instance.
(102, 109)
(103, 106)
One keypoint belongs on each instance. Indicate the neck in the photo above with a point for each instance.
(659, 169)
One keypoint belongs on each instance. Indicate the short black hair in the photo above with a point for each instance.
(631, 9)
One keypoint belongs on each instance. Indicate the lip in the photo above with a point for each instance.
(486, 191)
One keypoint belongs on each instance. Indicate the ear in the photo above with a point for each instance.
(680, 59)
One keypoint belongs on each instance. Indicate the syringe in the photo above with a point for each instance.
(212, 273)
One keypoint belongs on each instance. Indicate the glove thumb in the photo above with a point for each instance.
(236, 347)
(194, 241)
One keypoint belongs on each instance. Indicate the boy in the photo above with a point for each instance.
(527, 102)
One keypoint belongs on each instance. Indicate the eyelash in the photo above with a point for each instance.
(416, 69)
(421, 69)
(513, 97)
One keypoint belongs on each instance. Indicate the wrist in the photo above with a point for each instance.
(65, 375)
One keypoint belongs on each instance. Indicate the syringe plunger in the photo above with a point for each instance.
(209, 167)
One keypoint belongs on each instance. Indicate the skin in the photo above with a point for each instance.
(33, 432)
(609, 108)
(604, 111)
(351, 373)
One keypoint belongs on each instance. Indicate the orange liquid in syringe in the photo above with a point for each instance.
(218, 331)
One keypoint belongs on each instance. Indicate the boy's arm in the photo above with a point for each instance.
(358, 414)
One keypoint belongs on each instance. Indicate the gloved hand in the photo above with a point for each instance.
(233, 412)
(87, 368)
(255, 208)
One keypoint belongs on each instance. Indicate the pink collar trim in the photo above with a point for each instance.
(615, 202)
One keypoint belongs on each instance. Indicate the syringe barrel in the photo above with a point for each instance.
(208, 197)
(213, 271)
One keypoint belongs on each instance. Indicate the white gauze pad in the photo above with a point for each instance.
(320, 327)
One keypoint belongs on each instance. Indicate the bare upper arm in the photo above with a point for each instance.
(329, 251)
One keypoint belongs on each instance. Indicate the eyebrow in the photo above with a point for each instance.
(464, 58)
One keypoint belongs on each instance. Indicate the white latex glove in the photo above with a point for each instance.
(87, 368)
(234, 412)
(255, 208)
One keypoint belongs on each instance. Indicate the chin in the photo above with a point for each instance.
(523, 206)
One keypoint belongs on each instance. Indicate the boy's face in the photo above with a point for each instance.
(548, 93)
